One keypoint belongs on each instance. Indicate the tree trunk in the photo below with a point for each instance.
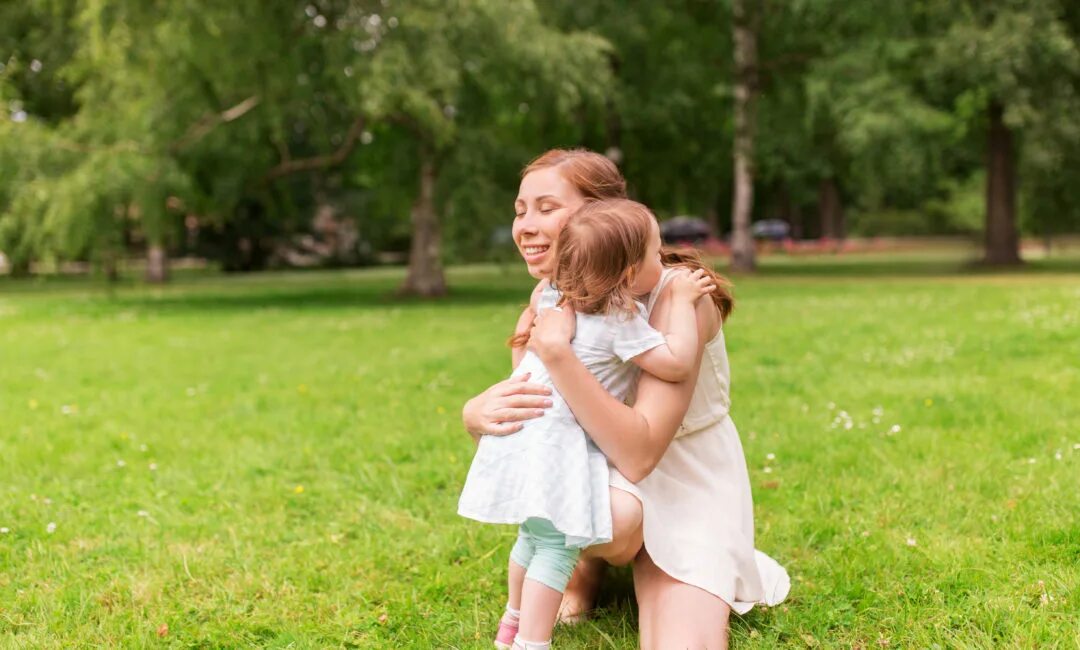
(19, 268)
(1002, 238)
(157, 264)
(425, 261)
(110, 267)
(795, 219)
(745, 33)
(831, 209)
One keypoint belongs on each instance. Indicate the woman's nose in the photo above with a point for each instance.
(527, 224)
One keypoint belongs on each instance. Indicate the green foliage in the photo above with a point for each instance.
(249, 116)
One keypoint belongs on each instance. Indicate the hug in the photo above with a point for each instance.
(611, 442)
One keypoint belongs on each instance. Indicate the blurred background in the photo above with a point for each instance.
(140, 135)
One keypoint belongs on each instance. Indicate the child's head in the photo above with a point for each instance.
(608, 252)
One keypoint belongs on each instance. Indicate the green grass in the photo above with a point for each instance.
(167, 433)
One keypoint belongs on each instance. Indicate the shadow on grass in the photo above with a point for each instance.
(469, 286)
(323, 299)
(852, 267)
(355, 289)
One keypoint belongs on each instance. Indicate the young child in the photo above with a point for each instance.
(549, 477)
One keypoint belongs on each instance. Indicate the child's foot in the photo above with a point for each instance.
(504, 638)
(579, 599)
(508, 629)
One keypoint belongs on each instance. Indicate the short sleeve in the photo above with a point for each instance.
(634, 335)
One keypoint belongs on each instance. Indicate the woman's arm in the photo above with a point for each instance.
(500, 409)
(634, 439)
(524, 324)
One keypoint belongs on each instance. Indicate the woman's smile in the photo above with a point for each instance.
(533, 253)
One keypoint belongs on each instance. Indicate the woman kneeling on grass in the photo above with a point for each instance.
(549, 477)
(681, 508)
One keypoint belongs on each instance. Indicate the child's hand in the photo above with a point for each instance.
(552, 331)
(691, 286)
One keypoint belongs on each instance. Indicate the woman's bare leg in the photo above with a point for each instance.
(673, 614)
(580, 595)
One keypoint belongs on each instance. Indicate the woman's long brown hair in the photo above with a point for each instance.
(688, 258)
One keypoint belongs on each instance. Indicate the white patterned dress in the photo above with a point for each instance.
(550, 469)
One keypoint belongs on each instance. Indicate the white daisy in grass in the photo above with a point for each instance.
(1057, 455)
(51, 528)
(153, 467)
(894, 429)
(770, 456)
(4, 530)
(767, 470)
(121, 463)
(911, 541)
(143, 513)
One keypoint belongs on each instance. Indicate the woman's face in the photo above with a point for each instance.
(545, 201)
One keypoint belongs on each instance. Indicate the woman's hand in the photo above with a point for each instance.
(691, 286)
(499, 410)
(552, 331)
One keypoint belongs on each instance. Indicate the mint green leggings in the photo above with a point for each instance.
(542, 551)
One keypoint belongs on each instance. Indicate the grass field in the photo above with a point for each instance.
(274, 460)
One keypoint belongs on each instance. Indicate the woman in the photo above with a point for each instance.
(681, 508)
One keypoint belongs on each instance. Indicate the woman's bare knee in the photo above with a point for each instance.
(626, 533)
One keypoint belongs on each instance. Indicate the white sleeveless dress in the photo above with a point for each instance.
(698, 510)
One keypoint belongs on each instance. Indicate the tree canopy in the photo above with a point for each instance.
(222, 129)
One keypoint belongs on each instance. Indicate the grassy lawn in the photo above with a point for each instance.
(275, 460)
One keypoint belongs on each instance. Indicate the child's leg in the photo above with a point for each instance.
(520, 558)
(545, 581)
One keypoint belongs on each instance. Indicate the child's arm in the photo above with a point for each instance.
(675, 360)
(525, 323)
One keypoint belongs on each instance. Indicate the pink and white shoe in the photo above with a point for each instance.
(504, 638)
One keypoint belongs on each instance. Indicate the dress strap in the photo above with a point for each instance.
(665, 277)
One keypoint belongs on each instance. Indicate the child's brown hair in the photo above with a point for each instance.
(597, 251)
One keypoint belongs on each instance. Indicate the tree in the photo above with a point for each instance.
(744, 26)
(444, 73)
(1003, 64)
